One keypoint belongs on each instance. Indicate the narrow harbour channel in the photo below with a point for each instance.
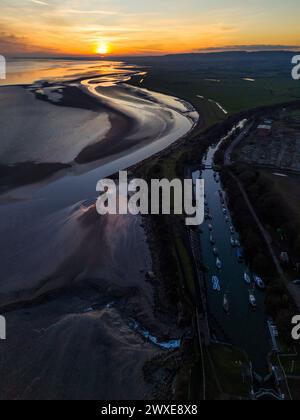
(238, 323)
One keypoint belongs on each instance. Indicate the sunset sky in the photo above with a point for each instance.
(77, 27)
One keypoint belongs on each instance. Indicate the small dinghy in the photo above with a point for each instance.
(232, 241)
(215, 251)
(210, 227)
(226, 305)
(259, 283)
(219, 264)
(212, 241)
(232, 230)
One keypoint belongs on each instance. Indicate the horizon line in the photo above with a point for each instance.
(212, 51)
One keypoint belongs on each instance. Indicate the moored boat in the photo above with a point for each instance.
(259, 283)
(226, 305)
(247, 278)
(216, 283)
(219, 264)
(240, 255)
(252, 300)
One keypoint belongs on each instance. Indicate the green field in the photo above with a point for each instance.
(227, 365)
(234, 95)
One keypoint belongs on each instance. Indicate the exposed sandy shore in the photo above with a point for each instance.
(76, 342)
(91, 120)
(35, 131)
(73, 283)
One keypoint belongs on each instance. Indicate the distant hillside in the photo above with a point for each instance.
(234, 62)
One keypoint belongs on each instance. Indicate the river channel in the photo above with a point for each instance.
(242, 326)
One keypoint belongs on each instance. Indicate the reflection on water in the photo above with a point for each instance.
(20, 71)
(165, 345)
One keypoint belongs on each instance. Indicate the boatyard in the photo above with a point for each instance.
(273, 142)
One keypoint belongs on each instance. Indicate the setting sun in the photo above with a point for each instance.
(102, 48)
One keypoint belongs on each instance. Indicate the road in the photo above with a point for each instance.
(234, 144)
(294, 290)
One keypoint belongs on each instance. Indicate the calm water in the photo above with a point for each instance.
(20, 71)
(244, 327)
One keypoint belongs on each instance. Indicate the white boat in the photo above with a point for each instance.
(210, 227)
(232, 241)
(212, 241)
(237, 243)
(247, 278)
(224, 210)
(227, 218)
(232, 230)
(259, 283)
(252, 300)
(215, 251)
(216, 283)
(219, 264)
(226, 306)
